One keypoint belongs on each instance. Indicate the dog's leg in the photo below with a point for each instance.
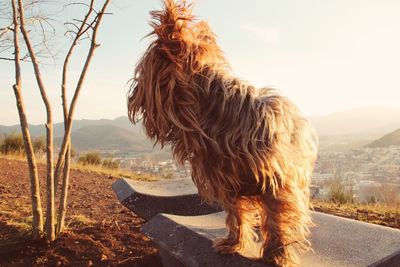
(231, 243)
(241, 222)
(285, 225)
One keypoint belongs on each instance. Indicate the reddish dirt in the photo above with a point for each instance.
(100, 231)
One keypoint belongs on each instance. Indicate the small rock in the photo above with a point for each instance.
(104, 257)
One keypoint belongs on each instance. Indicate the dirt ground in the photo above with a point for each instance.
(100, 231)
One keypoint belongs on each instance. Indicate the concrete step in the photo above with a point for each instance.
(185, 238)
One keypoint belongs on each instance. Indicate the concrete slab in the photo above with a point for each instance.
(163, 188)
(187, 240)
(336, 241)
(147, 199)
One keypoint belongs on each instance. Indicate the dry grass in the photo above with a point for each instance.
(114, 172)
(92, 168)
(378, 213)
(18, 216)
(14, 156)
(361, 207)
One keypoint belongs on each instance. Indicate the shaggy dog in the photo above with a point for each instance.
(250, 149)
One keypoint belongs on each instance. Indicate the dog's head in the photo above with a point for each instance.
(164, 88)
(182, 40)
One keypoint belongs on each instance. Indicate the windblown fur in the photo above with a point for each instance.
(250, 149)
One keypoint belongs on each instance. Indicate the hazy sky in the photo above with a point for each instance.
(326, 55)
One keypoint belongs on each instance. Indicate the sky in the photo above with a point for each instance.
(326, 56)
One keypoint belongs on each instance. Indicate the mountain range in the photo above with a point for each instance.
(337, 131)
(118, 134)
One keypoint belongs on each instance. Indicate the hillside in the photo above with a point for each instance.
(358, 121)
(109, 137)
(343, 143)
(391, 139)
(118, 134)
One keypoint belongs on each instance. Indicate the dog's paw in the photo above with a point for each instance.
(281, 256)
(226, 245)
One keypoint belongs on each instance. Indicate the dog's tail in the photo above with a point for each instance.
(191, 45)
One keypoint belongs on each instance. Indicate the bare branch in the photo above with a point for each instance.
(72, 24)
(44, 43)
(91, 9)
(89, 26)
(65, 72)
(70, 34)
(5, 30)
(23, 59)
(78, 88)
(6, 58)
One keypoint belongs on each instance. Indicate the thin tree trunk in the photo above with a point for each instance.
(62, 210)
(89, 57)
(50, 233)
(37, 214)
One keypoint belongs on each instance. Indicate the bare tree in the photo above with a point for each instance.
(81, 32)
(86, 28)
(93, 45)
(37, 213)
(50, 232)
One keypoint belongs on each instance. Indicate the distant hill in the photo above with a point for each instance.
(109, 137)
(343, 143)
(391, 139)
(118, 134)
(365, 121)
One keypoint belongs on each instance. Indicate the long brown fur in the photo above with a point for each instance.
(250, 149)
